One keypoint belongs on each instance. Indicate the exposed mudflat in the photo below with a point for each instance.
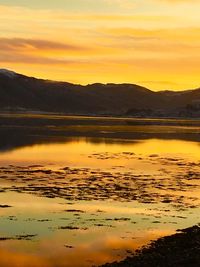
(176, 176)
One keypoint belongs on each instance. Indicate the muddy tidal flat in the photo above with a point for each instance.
(79, 191)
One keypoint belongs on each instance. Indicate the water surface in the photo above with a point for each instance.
(85, 201)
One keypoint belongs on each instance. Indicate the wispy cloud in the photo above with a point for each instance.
(22, 44)
(131, 41)
(178, 1)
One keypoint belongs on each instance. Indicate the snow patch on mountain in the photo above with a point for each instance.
(8, 73)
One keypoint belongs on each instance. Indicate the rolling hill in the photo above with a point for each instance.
(22, 93)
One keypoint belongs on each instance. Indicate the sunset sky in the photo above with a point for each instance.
(154, 43)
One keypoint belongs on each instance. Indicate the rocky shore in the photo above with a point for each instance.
(181, 250)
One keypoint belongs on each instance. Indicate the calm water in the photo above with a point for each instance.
(84, 202)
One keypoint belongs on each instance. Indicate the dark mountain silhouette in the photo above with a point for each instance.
(22, 93)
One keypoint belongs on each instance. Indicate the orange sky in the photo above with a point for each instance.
(154, 43)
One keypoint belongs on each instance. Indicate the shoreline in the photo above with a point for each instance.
(43, 114)
(181, 249)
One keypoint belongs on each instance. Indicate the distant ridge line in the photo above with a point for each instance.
(22, 93)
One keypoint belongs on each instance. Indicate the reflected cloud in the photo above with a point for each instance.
(105, 250)
(15, 259)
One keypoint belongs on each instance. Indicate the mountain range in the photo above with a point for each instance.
(28, 94)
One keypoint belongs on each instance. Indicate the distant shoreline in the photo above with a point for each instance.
(92, 116)
(21, 129)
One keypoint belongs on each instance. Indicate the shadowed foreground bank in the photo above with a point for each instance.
(180, 250)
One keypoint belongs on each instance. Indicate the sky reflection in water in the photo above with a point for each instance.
(43, 230)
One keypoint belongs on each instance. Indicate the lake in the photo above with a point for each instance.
(79, 191)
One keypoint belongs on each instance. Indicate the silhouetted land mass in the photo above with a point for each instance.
(18, 130)
(179, 250)
(22, 93)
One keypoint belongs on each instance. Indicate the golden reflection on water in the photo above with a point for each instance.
(75, 153)
(50, 254)
(94, 244)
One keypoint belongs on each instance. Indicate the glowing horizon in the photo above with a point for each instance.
(154, 43)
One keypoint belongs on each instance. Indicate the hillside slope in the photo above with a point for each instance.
(19, 92)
